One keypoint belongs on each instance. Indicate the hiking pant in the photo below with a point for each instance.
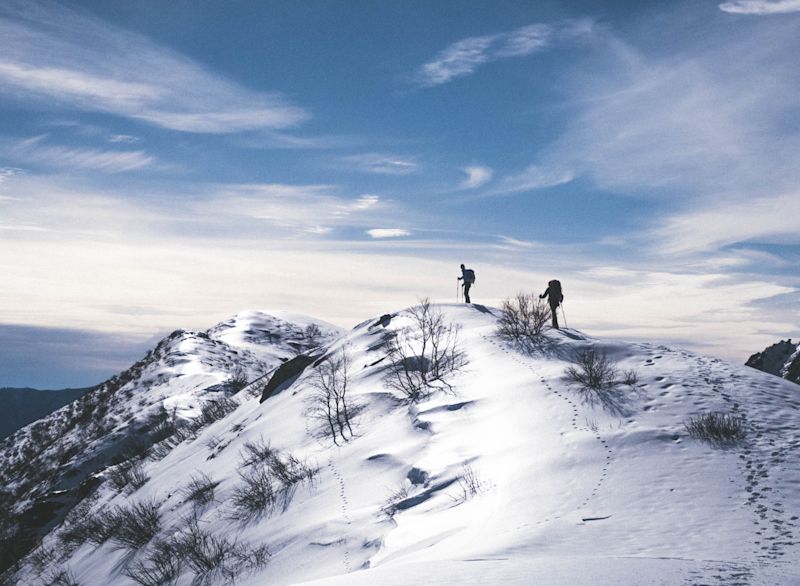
(466, 292)
(554, 314)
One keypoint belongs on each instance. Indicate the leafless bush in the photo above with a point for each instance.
(593, 370)
(256, 451)
(214, 559)
(160, 567)
(269, 479)
(630, 378)
(61, 577)
(128, 476)
(94, 528)
(470, 484)
(237, 379)
(215, 410)
(200, 489)
(329, 402)
(598, 380)
(717, 428)
(523, 318)
(256, 494)
(312, 334)
(389, 507)
(135, 525)
(42, 558)
(424, 355)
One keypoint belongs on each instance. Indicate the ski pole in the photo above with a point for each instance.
(458, 296)
(565, 316)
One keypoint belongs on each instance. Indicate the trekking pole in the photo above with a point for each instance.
(565, 315)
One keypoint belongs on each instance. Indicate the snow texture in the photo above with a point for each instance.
(516, 477)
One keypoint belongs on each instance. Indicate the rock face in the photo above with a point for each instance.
(781, 359)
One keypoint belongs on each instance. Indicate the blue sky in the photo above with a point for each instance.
(166, 165)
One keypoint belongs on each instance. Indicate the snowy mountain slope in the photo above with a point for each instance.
(781, 359)
(48, 466)
(514, 477)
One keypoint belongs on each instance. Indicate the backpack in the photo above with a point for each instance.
(555, 291)
(469, 276)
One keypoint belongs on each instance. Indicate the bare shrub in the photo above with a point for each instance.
(598, 380)
(470, 484)
(717, 428)
(214, 559)
(256, 494)
(129, 476)
(423, 356)
(160, 567)
(237, 379)
(523, 318)
(215, 410)
(269, 480)
(61, 577)
(42, 557)
(312, 335)
(593, 370)
(256, 451)
(329, 402)
(200, 489)
(389, 507)
(630, 378)
(135, 525)
(94, 528)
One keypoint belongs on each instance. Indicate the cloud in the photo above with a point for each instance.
(760, 7)
(695, 131)
(465, 56)
(766, 219)
(388, 233)
(34, 150)
(123, 138)
(382, 164)
(476, 177)
(6, 173)
(532, 178)
(70, 59)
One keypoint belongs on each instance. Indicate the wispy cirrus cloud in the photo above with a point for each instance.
(700, 130)
(476, 176)
(382, 163)
(532, 178)
(36, 150)
(760, 7)
(74, 60)
(466, 55)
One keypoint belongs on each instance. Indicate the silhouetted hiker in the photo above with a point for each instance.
(555, 297)
(468, 276)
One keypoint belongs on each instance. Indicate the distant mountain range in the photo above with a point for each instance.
(781, 359)
(19, 407)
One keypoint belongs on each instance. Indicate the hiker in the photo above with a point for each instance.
(468, 276)
(555, 297)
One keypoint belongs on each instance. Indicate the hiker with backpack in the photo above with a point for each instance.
(555, 297)
(468, 276)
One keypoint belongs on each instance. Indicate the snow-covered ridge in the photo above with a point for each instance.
(48, 466)
(514, 477)
(781, 359)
